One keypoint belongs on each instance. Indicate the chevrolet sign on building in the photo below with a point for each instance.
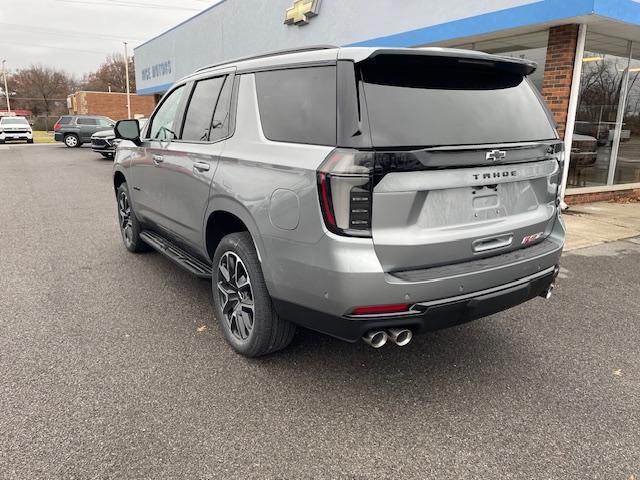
(301, 12)
(571, 41)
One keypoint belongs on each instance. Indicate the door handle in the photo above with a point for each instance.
(492, 243)
(158, 159)
(202, 166)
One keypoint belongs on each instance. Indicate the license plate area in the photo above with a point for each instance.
(434, 218)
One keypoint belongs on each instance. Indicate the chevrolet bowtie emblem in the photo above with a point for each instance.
(495, 155)
(301, 12)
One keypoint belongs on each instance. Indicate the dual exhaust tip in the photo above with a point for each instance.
(402, 336)
(378, 338)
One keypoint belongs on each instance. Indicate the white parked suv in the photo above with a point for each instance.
(15, 128)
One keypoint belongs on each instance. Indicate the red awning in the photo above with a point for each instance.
(19, 113)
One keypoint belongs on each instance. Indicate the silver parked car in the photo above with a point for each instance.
(361, 192)
(104, 142)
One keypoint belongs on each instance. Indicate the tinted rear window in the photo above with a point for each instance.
(86, 121)
(65, 120)
(431, 101)
(298, 105)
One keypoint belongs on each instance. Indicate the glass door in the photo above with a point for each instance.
(627, 164)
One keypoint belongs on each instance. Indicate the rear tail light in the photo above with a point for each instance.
(345, 183)
(558, 151)
(57, 126)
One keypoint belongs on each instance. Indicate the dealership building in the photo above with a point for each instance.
(587, 51)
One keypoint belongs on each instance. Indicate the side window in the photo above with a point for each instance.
(86, 121)
(103, 122)
(162, 123)
(298, 105)
(220, 124)
(203, 101)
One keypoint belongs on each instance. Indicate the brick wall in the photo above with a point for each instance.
(112, 105)
(558, 73)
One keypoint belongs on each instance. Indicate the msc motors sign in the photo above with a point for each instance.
(156, 71)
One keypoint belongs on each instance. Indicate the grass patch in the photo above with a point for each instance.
(43, 137)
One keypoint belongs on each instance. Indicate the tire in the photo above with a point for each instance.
(1, 142)
(108, 156)
(71, 140)
(128, 223)
(30, 141)
(266, 332)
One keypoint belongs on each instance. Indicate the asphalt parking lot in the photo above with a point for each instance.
(106, 371)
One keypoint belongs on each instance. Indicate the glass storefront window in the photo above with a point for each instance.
(532, 46)
(604, 65)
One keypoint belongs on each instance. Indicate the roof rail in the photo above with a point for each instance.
(309, 48)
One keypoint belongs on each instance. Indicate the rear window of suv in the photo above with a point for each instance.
(298, 105)
(65, 120)
(419, 100)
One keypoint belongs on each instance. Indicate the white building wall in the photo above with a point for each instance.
(237, 28)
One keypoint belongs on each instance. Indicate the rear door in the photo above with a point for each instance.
(87, 127)
(190, 161)
(466, 159)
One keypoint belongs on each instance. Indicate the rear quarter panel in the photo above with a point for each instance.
(271, 186)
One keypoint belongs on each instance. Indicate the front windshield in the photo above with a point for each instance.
(106, 122)
(14, 121)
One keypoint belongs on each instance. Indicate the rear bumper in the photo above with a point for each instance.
(318, 286)
(58, 136)
(434, 315)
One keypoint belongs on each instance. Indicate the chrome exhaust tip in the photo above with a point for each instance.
(400, 336)
(375, 338)
(548, 292)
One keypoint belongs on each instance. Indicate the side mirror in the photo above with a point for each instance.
(128, 130)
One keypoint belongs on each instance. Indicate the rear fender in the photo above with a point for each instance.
(226, 204)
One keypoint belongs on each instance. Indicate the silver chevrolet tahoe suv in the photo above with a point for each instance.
(360, 192)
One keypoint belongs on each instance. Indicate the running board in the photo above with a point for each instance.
(176, 254)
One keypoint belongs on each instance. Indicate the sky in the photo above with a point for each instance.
(77, 35)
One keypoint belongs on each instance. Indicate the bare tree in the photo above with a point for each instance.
(602, 84)
(111, 75)
(41, 89)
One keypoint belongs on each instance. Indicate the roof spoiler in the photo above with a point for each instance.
(516, 65)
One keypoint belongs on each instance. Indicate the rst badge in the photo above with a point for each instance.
(529, 239)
